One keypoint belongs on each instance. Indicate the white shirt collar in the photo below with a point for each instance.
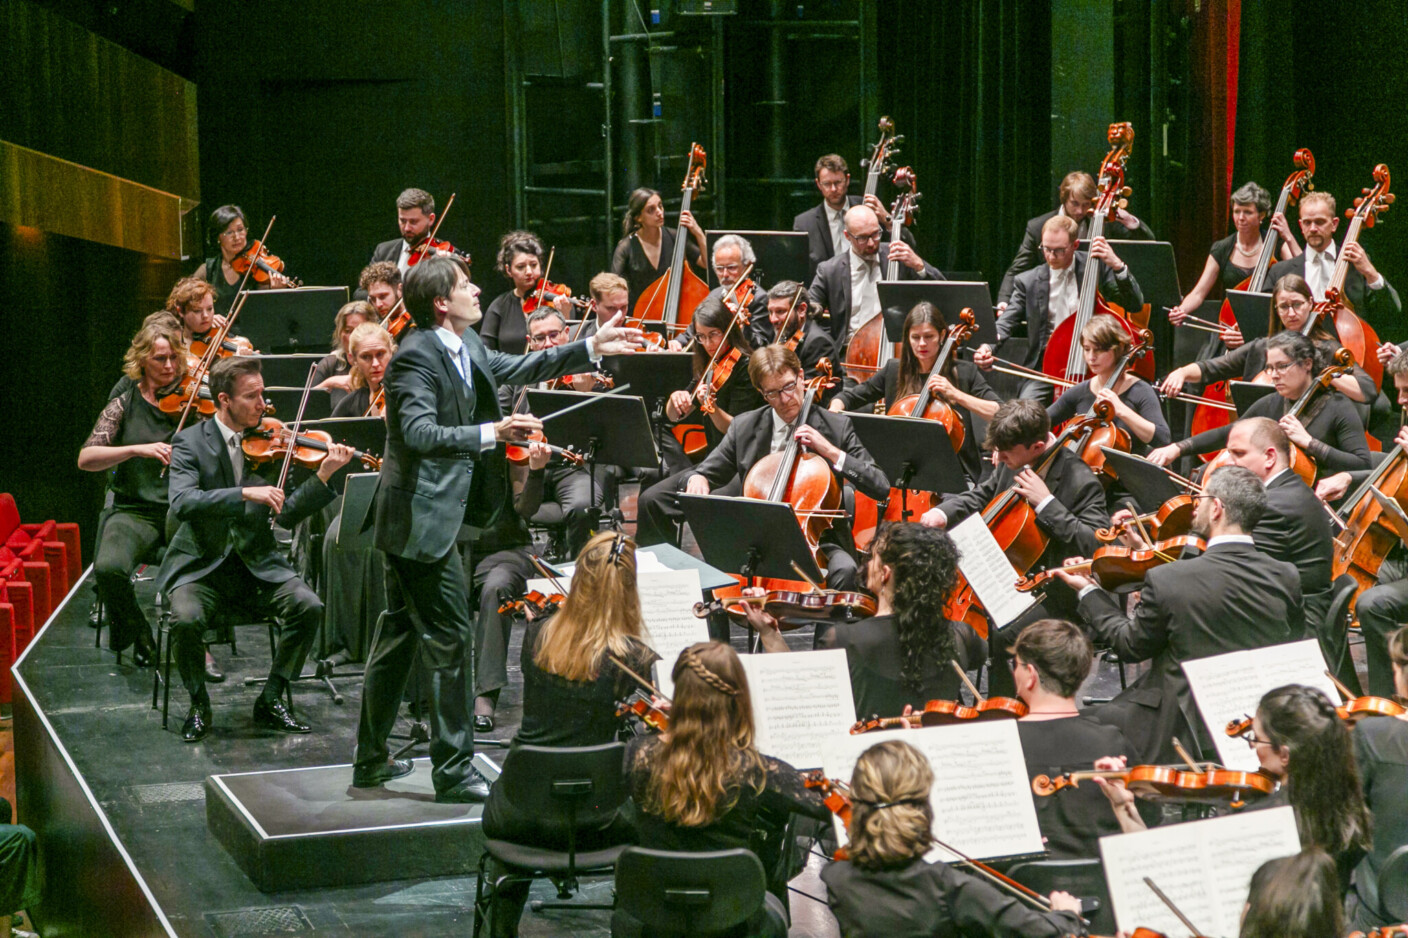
(1311, 255)
(1229, 539)
(226, 433)
(452, 342)
(860, 264)
(1274, 476)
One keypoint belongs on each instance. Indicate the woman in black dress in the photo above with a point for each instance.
(961, 385)
(133, 439)
(886, 889)
(646, 247)
(1137, 411)
(505, 325)
(900, 656)
(703, 785)
(734, 396)
(1329, 429)
(571, 685)
(230, 232)
(369, 350)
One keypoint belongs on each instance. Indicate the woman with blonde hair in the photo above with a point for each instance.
(333, 373)
(369, 349)
(703, 785)
(886, 887)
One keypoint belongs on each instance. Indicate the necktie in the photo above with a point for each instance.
(1323, 272)
(465, 366)
(236, 459)
(838, 237)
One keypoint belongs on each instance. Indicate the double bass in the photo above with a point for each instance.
(878, 163)
(1354, 333)
(671, 299)
(1063, 357)
(1207, 417)
(870, 349)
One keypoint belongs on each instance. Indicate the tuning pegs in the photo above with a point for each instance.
(1309, 186)
(896, 141)
(1126, 192)
(865, 162)
(1390, 198)
(1349, 212)
(1365, 190)
(1122, 203)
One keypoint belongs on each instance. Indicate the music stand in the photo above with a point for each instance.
(1154, 268)
(782, 255)
(914, 453)
(749, 536)
(367, 434)
(898, 297)
(1246, 393)
(1252, 311)
(290, 320)
(286, 401)
(1147, 483)
(358, 496)
(286, 371)
(651, 375)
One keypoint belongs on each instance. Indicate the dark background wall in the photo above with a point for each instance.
(322, 113)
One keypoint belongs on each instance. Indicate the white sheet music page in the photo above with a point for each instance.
(988, 570)
(802, 703)
(1229, 686)
(1204, 867)
(982, 796)
(667, 601)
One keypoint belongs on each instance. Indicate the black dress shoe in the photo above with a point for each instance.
(483, 723)
(474, 789)
(380, 774)
(273, 715)
(197, 723)
(213, 675)
(143, 652)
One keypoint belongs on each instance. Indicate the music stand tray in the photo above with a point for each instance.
(1252, 311)
(898, 297)
(782, 255)
(651, 375)
(613, 428)
(1149, 484)
(290, 320)
(1246, 393)
(913, 453)
(749, 536)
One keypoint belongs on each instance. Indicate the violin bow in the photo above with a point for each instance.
(806, 579)
(424, 246)
(1348, 695)
(998, 879)
(543, 284)
(638, 679)
(792, 309)
(1187, 757)
(732, 321)
(293, 435)
(963, 676)
(547, 573)
(1192, 929)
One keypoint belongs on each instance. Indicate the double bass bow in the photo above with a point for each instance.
(1355, 333)
(671, 299)
(1063, 357)
(870, 348)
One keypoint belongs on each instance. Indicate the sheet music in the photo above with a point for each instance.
(1204, 867)
(988, 570)
(1228, 687)
(982, 796)
(802, 703)
(667, 605)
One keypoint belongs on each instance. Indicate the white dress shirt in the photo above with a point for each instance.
(1065, 294)
(865, 298)
(232, 448)
(1319, 269)
(460, 356)
(782, 433)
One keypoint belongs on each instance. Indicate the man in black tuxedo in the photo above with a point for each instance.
(732, 256)
(825, 223)
(777, 374)
(1233, 597)
(442, 470)
(415, 216)
(845, 284)
(1047, 295)
(1068, 500)
(1364, 287)
(223, 554)
(1077, 196)
(787, 313)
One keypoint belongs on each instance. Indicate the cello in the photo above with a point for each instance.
(671, 299)
(1063, 357)
(1367, 536)
(1354, 333)
(1207, 417)
(870, 349)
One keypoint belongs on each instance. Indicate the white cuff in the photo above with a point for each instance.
(1379, 283)
(1044, 502)
(840, 464)
(1086, 591)
(487, 440)
(591, 350)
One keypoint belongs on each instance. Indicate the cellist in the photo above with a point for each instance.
(776, 373)
(1069, 503)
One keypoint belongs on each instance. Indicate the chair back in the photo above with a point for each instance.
(689, 893)
(1333, 633)
(1393, 885)
(566, 788)
(1083, 878)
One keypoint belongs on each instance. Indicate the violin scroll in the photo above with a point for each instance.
(1045, 785)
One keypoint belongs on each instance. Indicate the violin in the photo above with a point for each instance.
(1173, 519)
(1114, 566)
(435, 247)
(1354, 333)
(270, 440)
(947, 713)
(188, 393)
(546, 293)
(870, 349)
(1064, 356)
(1387, 931)
(1213, 786)
(691, 436)
(533, 604)
(396, 321)
(795, 608)
(671, 299)
(740, 296)
(640, 707)
(229, 345)
(517, 453)
(836, 795)
(265, 265)
(1096, 435)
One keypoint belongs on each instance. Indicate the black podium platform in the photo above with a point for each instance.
(305, 828)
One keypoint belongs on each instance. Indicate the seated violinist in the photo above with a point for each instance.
(369, 349)
(789, 323)
(900, 657)
(505, 324)
(960, 384)
(572, 684)
(333, 372)
(775, 372)
(1049, 294)
(610, 295)
(886, 889)
(230, 232)
(733, 255)
(1232, 597)
(223, 554)
(381, 282)
(1050, 661)
(1068, 500)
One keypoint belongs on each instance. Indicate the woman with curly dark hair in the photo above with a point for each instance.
(900, 655)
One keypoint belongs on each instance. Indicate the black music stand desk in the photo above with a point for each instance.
(651, 375)
(749, 536)
(913, 453)
(898, 297)
(782, 255)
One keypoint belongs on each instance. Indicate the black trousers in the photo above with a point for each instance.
(295, 606)
(435, 596)
(126, 538)
(499, 577)
(572, 488)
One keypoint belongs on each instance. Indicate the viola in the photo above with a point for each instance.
(545, 295)
(1173, 519)
(1064, 357)
(1161, 783)
(1354, 333)
(740, 296)
(640, 707)
(870, 349)
(836, 795)
(229, 345)
(795, 608)
(1114, 566)
(272, 439)
(534, 604)
(265, 265)
(673, 296)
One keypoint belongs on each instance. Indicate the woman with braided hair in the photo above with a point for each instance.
(703, 785)
(900, 656)
(1302, 743)
(887, 889)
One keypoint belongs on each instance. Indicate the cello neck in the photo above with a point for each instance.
(1388, 464)
(925, 397)
(778, 492)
